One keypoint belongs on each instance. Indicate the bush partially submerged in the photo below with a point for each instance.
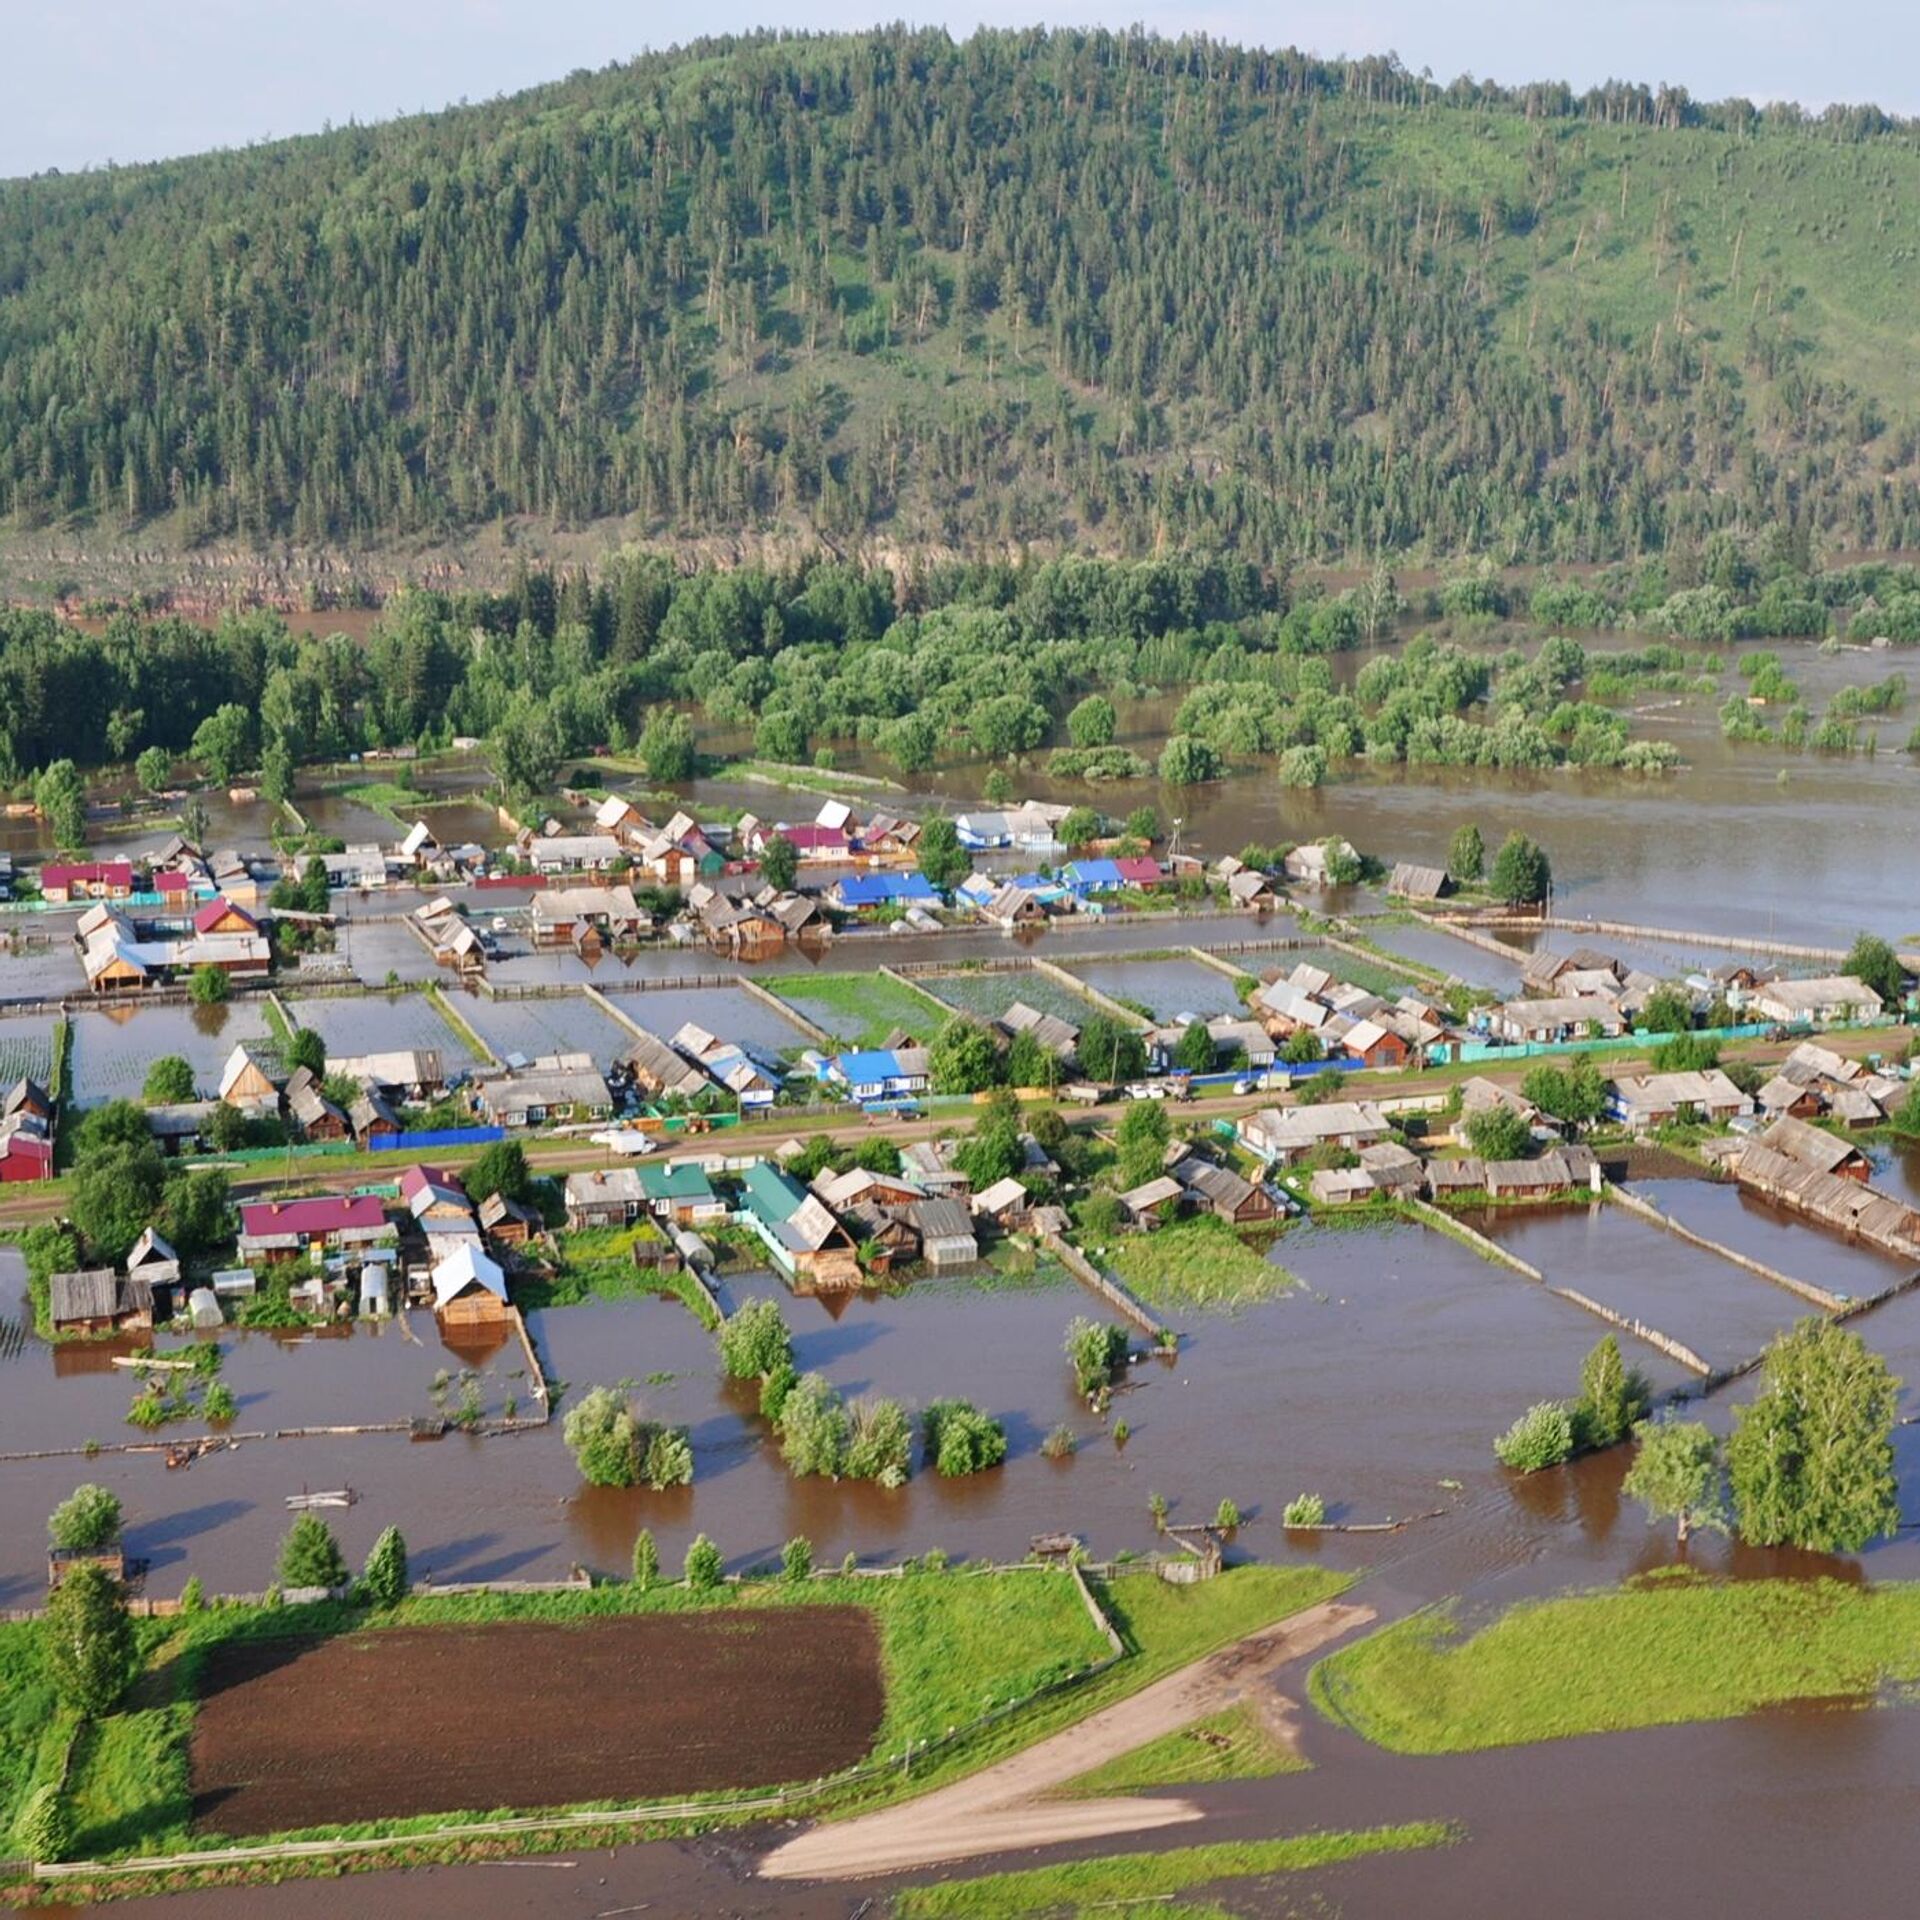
(1541, 1437)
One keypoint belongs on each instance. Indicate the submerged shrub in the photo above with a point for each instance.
(1541, 1437)
(1303, 1510)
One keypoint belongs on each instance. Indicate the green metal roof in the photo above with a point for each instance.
(772, 1196)
(659, 1181)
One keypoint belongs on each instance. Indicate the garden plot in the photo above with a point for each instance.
(863, 1008)
(352, 1024)
(990, 994)
(572, 1024)
(26, 1048)
(114, 1047)
(730, 1012)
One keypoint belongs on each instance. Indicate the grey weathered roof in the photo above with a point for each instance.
(91, 1294)
(940, 1219)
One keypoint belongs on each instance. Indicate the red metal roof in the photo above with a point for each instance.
(217, 910)
(414, 1178)
(812, 839)
(1140, 870)
(112, 873)
(334, 1213)
(172, 881)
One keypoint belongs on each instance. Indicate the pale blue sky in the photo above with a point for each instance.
(84, 81)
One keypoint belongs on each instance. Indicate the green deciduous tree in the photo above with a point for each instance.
(1522, 875)
(154, 769)
(88, 1641)
(814, 1429)
(1092, 723)
(169, 1080)
(222, 742)
(1873, 961)
(1080, 828)
(116, 1194)
(1194, 1049)
(1811, 1460)
(1096, 1351)
(646, 1560)
(86, 1521)
(1669, 1009)
(306, 1049)
(779, 862)
(60, 795)
(704, 1567)
(963, 1058)
(1676, 1475)
(208, 987)
(942, 858)
(1466, 854)
(613, 1446)
(1110, 1052)
(666, 747)
(1498, 1133)
(1613, 1396)
(310, 1556)
(879, 1443)
(755, 1341)
(383, 1580)
(499, 1168)
(1543, 1436)
(960, 1439)
(1186, 761)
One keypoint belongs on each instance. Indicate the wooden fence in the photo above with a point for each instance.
(1110, 1290)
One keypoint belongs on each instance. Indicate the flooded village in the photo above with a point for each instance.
(466, 1113)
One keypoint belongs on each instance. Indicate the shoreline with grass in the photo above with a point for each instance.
(977, 1664)
(1667, 1649)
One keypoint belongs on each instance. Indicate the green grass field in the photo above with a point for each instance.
(1200, 1262)
(597, 1264)
(1656, 1653)
(1118, 1883)
(1234, 1745)
(863, 1008)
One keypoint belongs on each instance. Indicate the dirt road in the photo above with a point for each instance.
(1004, 1808)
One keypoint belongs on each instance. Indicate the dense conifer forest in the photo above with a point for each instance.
(889, 294)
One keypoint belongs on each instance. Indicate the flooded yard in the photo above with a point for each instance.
(1723, 1312)
(26, 1047)
(380, 1023)
(377, 950)
(114, 1047)
(1166, 988)
(560, 1024)
(730, 1012)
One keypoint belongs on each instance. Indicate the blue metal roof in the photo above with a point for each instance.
(879, 889)
(1093, 873)
(862, 1069)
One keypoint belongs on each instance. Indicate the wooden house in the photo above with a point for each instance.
(804, 1238)
(1816, 1148)
(1005, 1203)
(946, 1233)
(469, 1288)
(246, 1082)
(610, 1197)
(312, 1113)
(1223, 1193)
(98, 1300)
(507, 1221)
(1153, 1202)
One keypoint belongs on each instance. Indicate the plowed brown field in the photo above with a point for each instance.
(413, 1720)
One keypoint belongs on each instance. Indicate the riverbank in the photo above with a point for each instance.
(1661, 1651)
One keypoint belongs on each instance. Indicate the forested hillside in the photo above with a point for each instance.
(890, 293)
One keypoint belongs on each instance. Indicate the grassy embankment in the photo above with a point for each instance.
(863, 1008)
(1655, 1653)
(1150, 1880)
(401, 804)
(953, 1646)
(1234, 1745)
(782, 773)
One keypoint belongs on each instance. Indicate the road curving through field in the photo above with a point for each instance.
(1004, 1808)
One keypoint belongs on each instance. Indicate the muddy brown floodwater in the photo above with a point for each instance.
(1378, 1380)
